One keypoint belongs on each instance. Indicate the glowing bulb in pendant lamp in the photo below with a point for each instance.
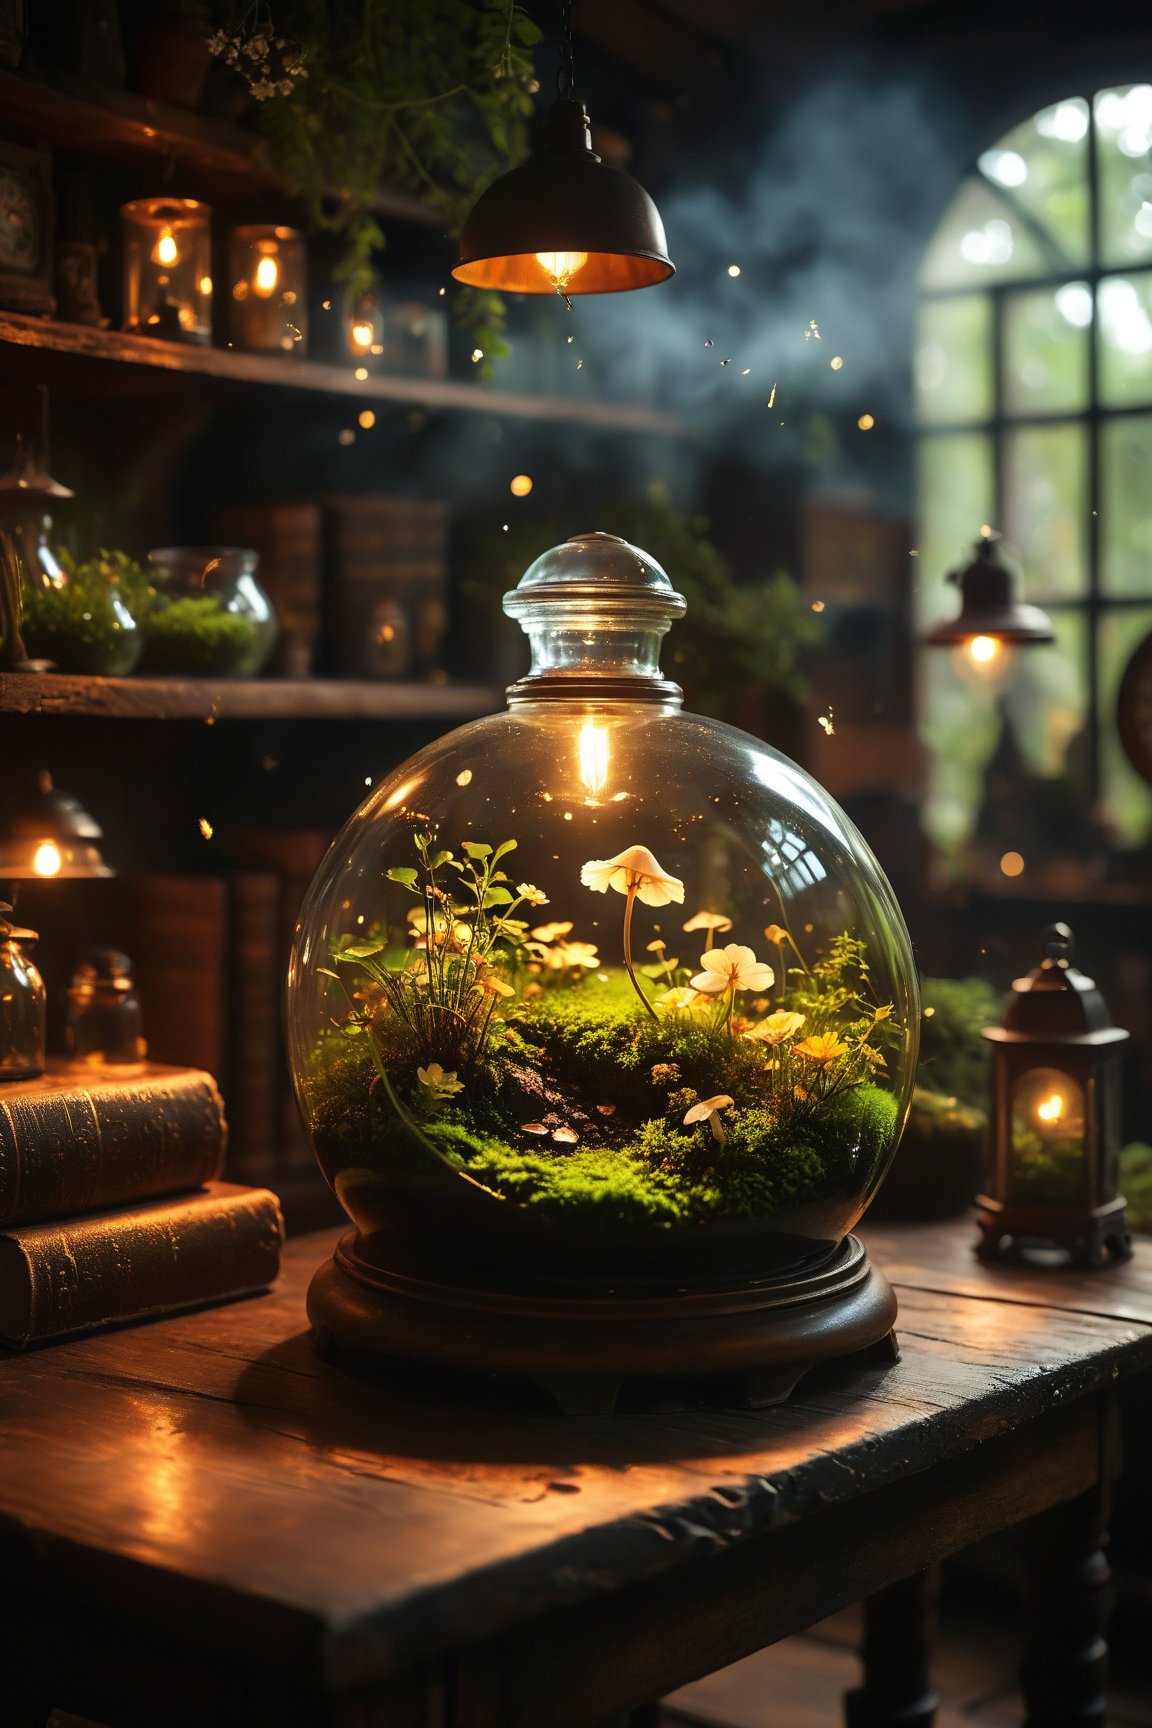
(563, 222)
(992, 615)
(167, 251)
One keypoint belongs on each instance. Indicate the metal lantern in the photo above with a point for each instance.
(1055, 1123)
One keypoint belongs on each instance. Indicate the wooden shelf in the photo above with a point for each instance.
(242, 699)
(230, 366)
(119, 126)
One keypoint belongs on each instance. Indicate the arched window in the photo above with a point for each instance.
(1034, 399)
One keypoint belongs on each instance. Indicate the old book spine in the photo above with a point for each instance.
(71, 1144)
(257, 1038)
(59, 1279)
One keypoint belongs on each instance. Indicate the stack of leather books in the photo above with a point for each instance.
(111, 1206)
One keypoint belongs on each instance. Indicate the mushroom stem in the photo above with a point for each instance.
(628, 949)
(717, 1128)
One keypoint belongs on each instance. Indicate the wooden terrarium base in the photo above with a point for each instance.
(584, 1351)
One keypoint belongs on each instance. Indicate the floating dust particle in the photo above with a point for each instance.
(565, 298)
(377, 348)
(367, 419)
(569, 338)
(733, 269)
(579, 365)
(296, 334)
(327, 306)
(567, 815)
(361, 374)
(772, 400)
(442, 292)
(477, 356)
(928, 1013)
(915, 552)
(813, 329)
(206, 828)
(817, 605)
(727, 362)
(746, 371)
(347, 436)
(504, 525)
(825, 720)
(985, 531)
(209, 719)
(464, 778)
(269, 762)
(836, 362)
(708, 342)
(520, 485)
(866, 422)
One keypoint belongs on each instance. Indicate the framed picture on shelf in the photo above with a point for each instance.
(27, 222)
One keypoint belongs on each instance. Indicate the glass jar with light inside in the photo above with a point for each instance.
(168, 269)
(269, 291)
(1052, 1178)
(603, 1022)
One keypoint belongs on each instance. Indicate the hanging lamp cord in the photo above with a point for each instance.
(565, 77)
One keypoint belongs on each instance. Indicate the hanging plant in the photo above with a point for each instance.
(431, 97)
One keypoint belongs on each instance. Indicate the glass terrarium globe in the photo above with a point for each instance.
(597, 999)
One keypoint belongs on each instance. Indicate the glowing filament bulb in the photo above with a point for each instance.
(560, 267)
(1050, 1109)
(47, 860)
(362, 333)
(593, 748)
(982, 650)
(267, 275)
(167, 251)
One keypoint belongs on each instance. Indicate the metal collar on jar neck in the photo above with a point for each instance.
(595, 610)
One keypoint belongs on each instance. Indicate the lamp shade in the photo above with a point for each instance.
(989, 603)
(50, 837)
(563, 221)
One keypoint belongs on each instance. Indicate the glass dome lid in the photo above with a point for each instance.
(595, 996)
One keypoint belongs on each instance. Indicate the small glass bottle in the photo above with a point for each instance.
(22, 1004)
(103, 1021)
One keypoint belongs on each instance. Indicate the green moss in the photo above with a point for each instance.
(196, 635)
(1136, 1184)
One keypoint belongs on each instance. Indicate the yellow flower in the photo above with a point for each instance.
(437, 1082)
(776, 1028)
(777, 935)
(634, 870)
(708, 921)
(879, 1014)
(823, 1048)
(732, 968)
(681, 997)
(564, 954)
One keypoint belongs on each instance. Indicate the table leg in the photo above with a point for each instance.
(896, 1647)
(1067, 1598)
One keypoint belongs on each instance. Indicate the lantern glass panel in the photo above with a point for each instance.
(1049, 1138)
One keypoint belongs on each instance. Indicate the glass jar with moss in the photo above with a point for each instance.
(209, 616)
(80, 616)
(603, 1021)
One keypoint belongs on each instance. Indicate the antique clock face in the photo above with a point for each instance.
(19, 220)
(1134, 709)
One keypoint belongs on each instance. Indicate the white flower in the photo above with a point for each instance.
(534, 896)
(633, 871)
(732, 968)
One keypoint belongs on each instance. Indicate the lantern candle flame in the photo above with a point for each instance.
(1051, 1109)
(46, 860)
(167, 252)
(592, 745)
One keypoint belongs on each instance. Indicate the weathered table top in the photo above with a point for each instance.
(207, 1476)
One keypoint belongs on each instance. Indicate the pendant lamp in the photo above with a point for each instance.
(989, 605)
(563, 222)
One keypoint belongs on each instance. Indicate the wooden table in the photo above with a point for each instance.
(202, 1524)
